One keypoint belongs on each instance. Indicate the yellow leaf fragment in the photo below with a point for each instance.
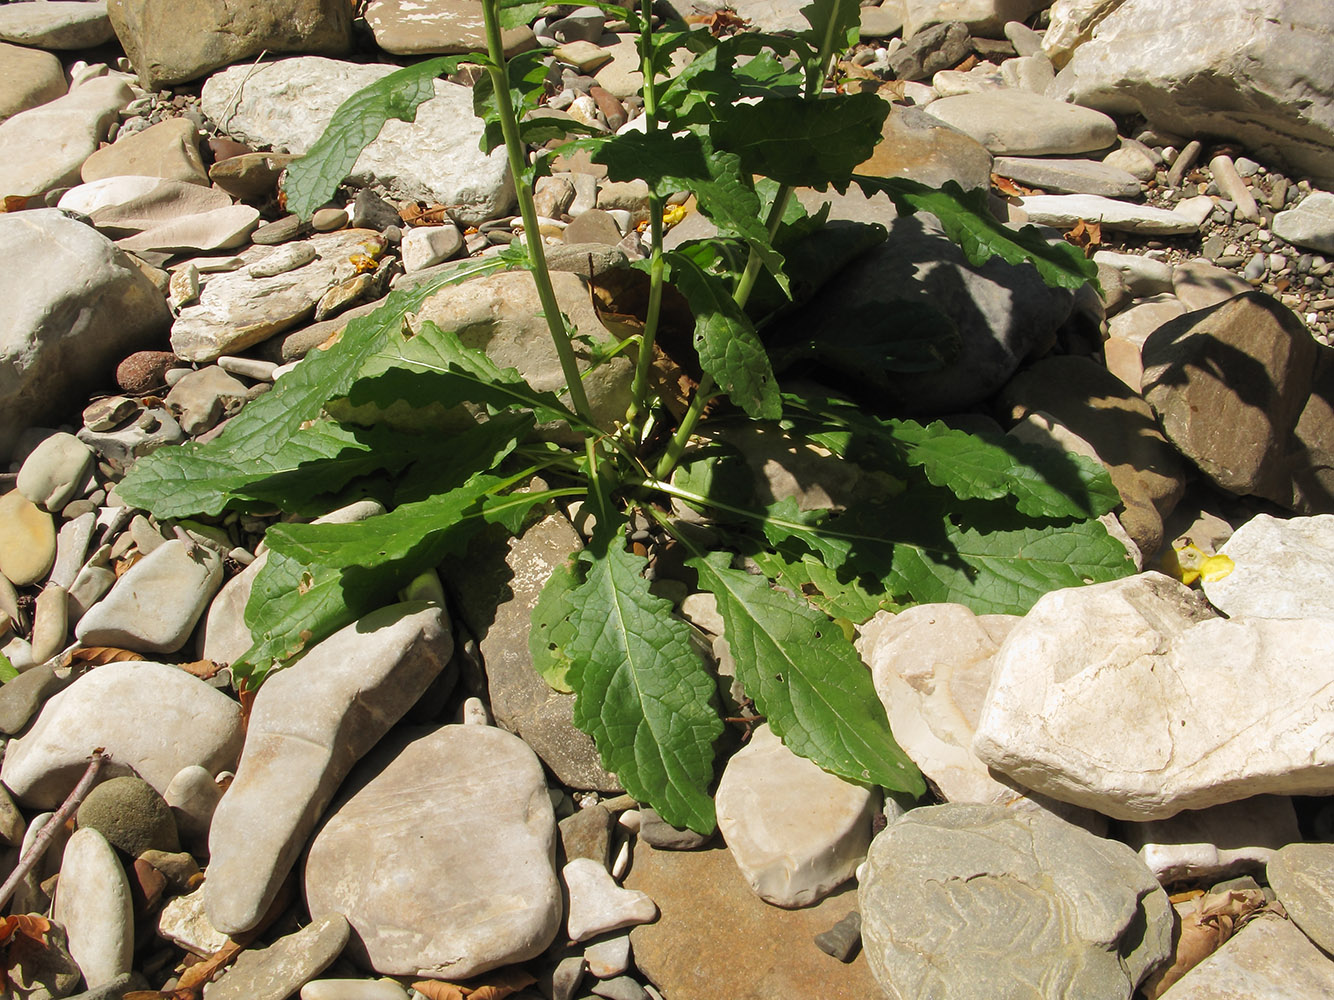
(1216, 567)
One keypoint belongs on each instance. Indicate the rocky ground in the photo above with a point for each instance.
(1130, 784)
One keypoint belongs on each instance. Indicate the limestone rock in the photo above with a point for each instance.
(462, 883)
(27, 540)
(984, 18)
(1281, 569)
(192, 723)
(1111, 696)
(93, 905)
(1309, 223)
(1300, 874)
(1216, 843)
(1064, 210)
(220, 34)
(1072, 23)
(56, 24)
(278, 971)
(796, 831)
(1022, 124)
(966, 901)
(1064, 176)
(922, 148)
(310, 723)
(1269, 958)
(28, 77)
(598, 904)
(438, 27)
(434, 159)
(168, 149)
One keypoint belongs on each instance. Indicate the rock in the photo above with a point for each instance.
(278, 971)
(1119, 426)
(127, 205)
(168, 149)
(1096, 699)
(1130, 328)
(941, 46)
(155, 606)
(598, 904)
(23, 696)
(1227, 385)
(593, 226)
(795, 831)
(220, 229)
(1269, 958)
(443, 27)
(150, 430)
(40, 973)
(192, 723)
(56, 25)
(1215, 843)
(1196, 68)
(1065, 210)
(1064, 176)
(608, 957)
(93, 905)
(310, 723)
(1280, 569)
(1200, 284)
(204, 397)
(353, 989)
(657, 832)
(183, 922)
(1072, 23)
(586, 833)
(77, 306)
(411, 889)
(947, 889)
(163, 55)
(55, 471)
(250, 176)
(428, 245)
(434, 159)
(193, 796)
(922, 148)
(498, 587)
(27, 540)
(984, 18)
(28, 78)
(705, 888)
(1024, 124)
(238, 310)
(1309, 223)
(1300, 876)
(131, 814)
(43, 148)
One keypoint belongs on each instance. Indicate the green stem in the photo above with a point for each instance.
(514, 150)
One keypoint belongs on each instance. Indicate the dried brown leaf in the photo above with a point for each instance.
(203, 669)
(434, 989)
(15, 203)
(1206, 922)
(495, 985)
(97, 656)
(1085, 235)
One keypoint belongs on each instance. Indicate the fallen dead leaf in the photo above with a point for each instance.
(96, 656)
(1086, 235)
(493, 986)
(1205, 922)
(203, 669)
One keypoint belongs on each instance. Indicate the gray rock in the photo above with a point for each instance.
(1071, 24)
(1210, 845)
(93, 905)
(931, 50)
(434, 159)
(428, 245)
(608, 956)
(1108, 696)
(1301, 876)
(131, 814)
(795, 831)
(72, 549)
(28, 77)
(1269, 958)
(114, 988)
(135, 204)
(410, 888)
(77, 306)
(586, 833)
(976, 901)
(183, 922)
(1143, 276)
(1309, 223)
(56, 25)
(193, 796)
(23, 696)
(310, 723)
(220, 229)
(922, 148)
(192, 723)
(1198, 68)
(278, 971)
(984, 18)
(204, 397)
(1064, 210)
(1281, 569)
(155, 606)
(353, 989)
(42, 973)
(1065, 176)
(1023, 124)
(152, 428)
(163, 55)
(168, 149)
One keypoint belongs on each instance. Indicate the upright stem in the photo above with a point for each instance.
(514, 150)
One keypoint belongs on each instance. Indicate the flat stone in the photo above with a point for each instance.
(984, 18)
(434, 159)
(1309, 223)
(309, 724)
(168, 149)
(326, 220)
(193, 723)
(922, 148)
(1217, 843)
(124, 205)
(28, 77)
(1023, 124)
(1065, 176)
(24, 695)
(1300, 874)
(183, 922)
(1107, 696)
(1200, 284)
(56, 25)
(795, 831)
(1065, 210)
(203, 397)
(1143, 276)
(1268, 959)
(1130, 328)
(151, 429)
(27, 540)
(353, 989)
(598, 904)
(93, 904)
(131, 814)
(948, 889)
(155, 606)
(609, 956)
(55, 470)
(278, 971)
(438, 27)
(410, 889)
(250, 175)
(220, 229)
(1280, 569)
(428, 245)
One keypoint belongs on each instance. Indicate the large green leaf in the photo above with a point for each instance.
(312, 180)
(552, 631)
(806, 679)
(967, 221)
(851, 599)
(835, 25)
(642, 692)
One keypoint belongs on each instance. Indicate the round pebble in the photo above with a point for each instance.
(27, 540)
(144, 371)
(326, 220)
(132, 816)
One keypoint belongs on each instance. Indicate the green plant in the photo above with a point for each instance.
(978, 520)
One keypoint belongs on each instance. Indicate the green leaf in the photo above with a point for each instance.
(527, 74)
(7, 670)
(312, 180)
(641, 691)
(728, 347)
(835, 25)
(806, 679)
(552, 631)
(968, 222)
(824, 588)
(803, 142)
(277, 450)
(519, 13)
(784, 521)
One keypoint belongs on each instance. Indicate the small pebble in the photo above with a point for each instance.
(843, 939)
(326, 220)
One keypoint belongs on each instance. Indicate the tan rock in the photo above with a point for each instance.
(28, 78)
(438, 27)
(168, 149)
(27, 540)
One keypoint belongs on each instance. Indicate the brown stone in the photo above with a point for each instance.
(250, 175)
(143, 371)
(168, 149)
(920, 148)
(28, 77)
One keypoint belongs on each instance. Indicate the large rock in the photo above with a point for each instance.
(922, 148)
(58, 24)
(309, 724)
(984, 18)
(1300, 875)
(1281, 568)
(93, 905)
(1268, 959)
(28, 77)
(434, 159)
(1255, 72)
(965, 901)
(223, 33)
(150, 718)
(463, 882)
(435, 27)
(1228, 385)
(1133, 699)
(1023, 124)
(44, 147)
(77, 306)
(1071, 24)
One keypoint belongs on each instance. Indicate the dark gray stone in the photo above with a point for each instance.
(938, 47)
(657, 832)
(130, 813)
(24, 695)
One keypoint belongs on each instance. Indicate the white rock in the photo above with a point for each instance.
(183, 922)
(1142, 275)
(1132, 699)
(71, 548)
(1215, 843)
(428, 245)
(1268, 959)
(151, 718)
(220, 229)
(193, 796)
(795, 831)
(154, 607)
(1281, 568)
(1065, 210)
(1023, 124)
(608, 957)
(598, 904)
(93, 905)
(107, 192)
(43, 148)
(984, 18)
